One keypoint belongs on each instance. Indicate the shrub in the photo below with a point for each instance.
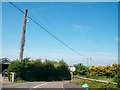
(80, 69)
(35, 70)
(117, 79)
(17, 67)
(108, 71)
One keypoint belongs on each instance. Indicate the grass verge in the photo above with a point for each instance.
(94, 84)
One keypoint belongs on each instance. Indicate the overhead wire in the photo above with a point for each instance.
(48, 31)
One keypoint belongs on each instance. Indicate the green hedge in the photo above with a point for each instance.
(36, 70)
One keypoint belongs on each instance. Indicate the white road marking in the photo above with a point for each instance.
(62, 85)
(39, 85)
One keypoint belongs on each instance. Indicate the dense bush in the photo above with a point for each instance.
(19, 68)
(35, 70)
(80, 69)
(117, 79)
(108, 71)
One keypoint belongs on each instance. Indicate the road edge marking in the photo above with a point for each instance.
(39, 85)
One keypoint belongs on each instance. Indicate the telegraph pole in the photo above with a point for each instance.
(87, 62)
(23, 35)
(90, 61)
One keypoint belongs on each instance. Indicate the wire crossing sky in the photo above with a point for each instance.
(48, 31)
(89, 28)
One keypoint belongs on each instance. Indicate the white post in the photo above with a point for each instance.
(13, 75)
(72, 69)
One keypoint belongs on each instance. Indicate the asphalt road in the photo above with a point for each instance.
(55, 84)
(35, 85)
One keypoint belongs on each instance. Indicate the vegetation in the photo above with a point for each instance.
(93, 84)
(80, 69)
(109, 73)
(117, 79)
(35, 70)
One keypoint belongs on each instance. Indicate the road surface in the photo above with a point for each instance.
(35, 85)
(57, 84)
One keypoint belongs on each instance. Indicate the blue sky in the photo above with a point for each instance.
(89, 28)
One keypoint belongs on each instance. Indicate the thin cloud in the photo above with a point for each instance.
(98, 58)
(77, 27)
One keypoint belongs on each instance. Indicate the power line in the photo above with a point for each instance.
(47, 30)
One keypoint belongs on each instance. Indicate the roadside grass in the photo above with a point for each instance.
(94, 84)
(98, 78)
(103, 78)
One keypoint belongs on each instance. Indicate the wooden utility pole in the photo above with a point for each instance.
(87, 62)
(23, 36)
